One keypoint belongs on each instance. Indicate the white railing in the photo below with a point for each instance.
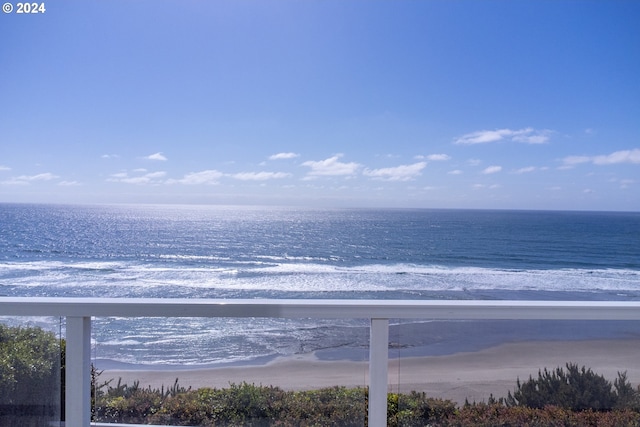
(79, 311)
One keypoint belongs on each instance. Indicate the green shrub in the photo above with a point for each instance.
(578, 389)
(627, 396)
(237, 405)
(416, 409)
(29, 376)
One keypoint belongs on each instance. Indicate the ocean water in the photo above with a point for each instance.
(267, 252)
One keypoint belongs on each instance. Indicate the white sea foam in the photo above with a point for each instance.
(300, 277)
(119, 343)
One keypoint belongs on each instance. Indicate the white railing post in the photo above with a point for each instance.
(78, 372)
(378, 372)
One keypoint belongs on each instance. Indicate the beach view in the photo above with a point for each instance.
(326, 153)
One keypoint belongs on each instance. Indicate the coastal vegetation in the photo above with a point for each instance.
(572, 397)
(29, 376)
(31, 372)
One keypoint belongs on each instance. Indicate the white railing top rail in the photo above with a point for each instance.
(320, 308)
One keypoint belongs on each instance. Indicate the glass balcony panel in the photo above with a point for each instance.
(30, 373)
(156, 370)
(481, 361)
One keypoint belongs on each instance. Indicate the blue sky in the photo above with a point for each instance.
(428, 104)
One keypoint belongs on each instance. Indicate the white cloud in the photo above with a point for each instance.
(625, 156)
(40, 177)
(455, 172)
(69, 183)
(157, 156)
(208, 177)
(474, 162)
(482, 137)
(27, 179)
(490, 187)
(397, 173)
(575, 160)
(283, 156)
(492, 169)
(526, 135)
(154, 175)
(139, 180)
(541, 137)
(259, 176)
(109, 156)
(4, 168)
(617, 157)
(331, 167)
(148, 178)
(13, 181)
(528, 169)
(438, 157)
(626, 183)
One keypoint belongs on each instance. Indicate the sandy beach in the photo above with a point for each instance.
(472, 376)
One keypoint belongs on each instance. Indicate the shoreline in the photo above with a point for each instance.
(415, 338)
(473, 375)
